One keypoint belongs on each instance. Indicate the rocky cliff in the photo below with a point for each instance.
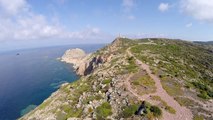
(134, 79)
(78, 58)
(83, 63)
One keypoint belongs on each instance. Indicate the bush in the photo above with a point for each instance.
(145, 109)
(136, 82)
(197, 117)
(203, 94)
(152, 111)
(205, 91)
(156, 111)
(107, 81)
(103, 110)
(129, 111)
(170, 109)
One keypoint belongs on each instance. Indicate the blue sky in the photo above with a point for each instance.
(35, 23)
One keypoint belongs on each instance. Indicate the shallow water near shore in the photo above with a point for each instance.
(29, 77)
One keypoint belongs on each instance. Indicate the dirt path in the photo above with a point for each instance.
(182, 113)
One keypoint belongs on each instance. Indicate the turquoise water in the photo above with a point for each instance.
(29, 78)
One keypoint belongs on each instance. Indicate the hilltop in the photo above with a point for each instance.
(136, 79)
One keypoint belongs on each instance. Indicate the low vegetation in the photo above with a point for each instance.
(181, 60)
(71, 111)
(107, 81)
(129, 111)
(104, 110)
(152, 111)
(132, 67)
(145, 109)
(144, 84)
(44, 104)
(198, 117)
(205, 91)
(156, 111)
(185, 69)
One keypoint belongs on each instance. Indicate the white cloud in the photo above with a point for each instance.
(199, 9)
(18, 22)
(37, 27)
(13, 6)
(189, 25)
(163, 7)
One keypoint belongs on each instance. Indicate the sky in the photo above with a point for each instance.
(38, 23)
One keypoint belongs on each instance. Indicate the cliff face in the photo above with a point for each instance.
(83, 63)
(117, 79)
(78, 58)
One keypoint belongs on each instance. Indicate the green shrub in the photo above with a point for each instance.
(72, 112)
(203, 94)
(103, 110)
(107, 81)
(136, 82)
(129, 111)
(197, 117)
(170, 109)
(152, 111)
(156, 111)
(205, 91)
(149, 111)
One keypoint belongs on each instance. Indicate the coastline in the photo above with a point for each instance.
(107, 84)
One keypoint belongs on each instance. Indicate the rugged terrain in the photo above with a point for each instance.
(135, 79)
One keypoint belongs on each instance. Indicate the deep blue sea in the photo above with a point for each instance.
(27, 79)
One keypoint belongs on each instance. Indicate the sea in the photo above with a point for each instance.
(28, 77)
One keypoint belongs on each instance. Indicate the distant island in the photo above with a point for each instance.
(136, 79)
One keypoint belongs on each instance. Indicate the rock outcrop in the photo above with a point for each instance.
(78, 58)
(83, 63)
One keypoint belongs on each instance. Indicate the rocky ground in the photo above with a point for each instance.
(114, 85)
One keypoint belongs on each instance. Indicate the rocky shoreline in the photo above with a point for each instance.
(110, 88)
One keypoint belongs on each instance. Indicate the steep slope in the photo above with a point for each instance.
(137, 79)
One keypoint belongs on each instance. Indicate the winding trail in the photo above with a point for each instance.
(182, 113)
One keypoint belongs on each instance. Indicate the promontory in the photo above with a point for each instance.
(138, 79)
